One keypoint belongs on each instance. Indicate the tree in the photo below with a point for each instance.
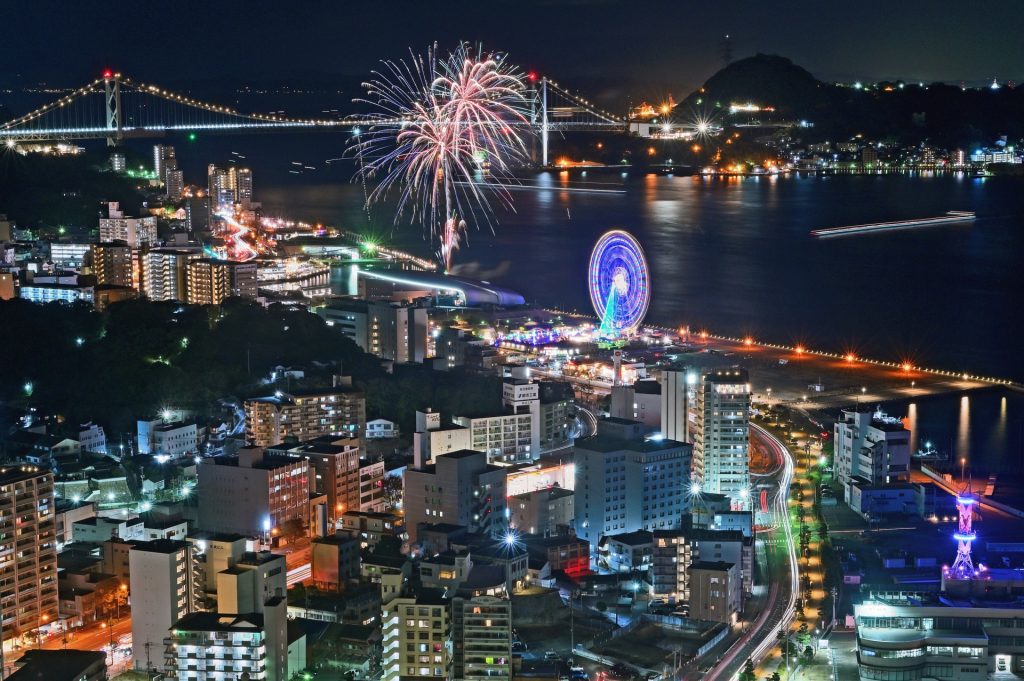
(748, 671)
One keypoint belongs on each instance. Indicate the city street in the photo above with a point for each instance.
(93, 637)
(782, 575)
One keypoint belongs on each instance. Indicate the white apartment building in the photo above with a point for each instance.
(721, 444)
(165, 273)
(137, 232)
(514, 436)
(870, 448)
(162, 592)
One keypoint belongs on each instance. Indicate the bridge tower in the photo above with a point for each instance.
(544, 120)
(112, 92)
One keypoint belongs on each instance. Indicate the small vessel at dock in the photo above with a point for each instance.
(951, 217)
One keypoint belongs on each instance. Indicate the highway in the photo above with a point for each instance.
(762, 636)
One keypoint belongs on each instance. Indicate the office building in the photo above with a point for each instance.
(543, 512)
(370, 527)
(7, 288)
(715, 592)
(514, 435)
(556, 414)
(162, 588)
(68, 256)
(871, 448)
(481, 639)
(677, 393)
(165, 273)
(415, 637)
(371, 486)
(211, 281)
(113, 263)
(910, 634)
(638, 402)
(209, 646)
(254, 494)
(169, 439)
(28, 550)
(432, 439)
(720, 436)
(136, 232)
(305, 414)
(626, 482)
(254, 580)
(335, 561)
(212, 554)
(335, 470)
(460, 488)
(388, 330)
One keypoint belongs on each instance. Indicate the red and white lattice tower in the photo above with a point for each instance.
(963, 566)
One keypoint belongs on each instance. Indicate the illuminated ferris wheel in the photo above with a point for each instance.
(620, 283)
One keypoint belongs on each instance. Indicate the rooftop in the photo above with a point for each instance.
(212, 621)
(636, 538)
(605, 444)
(56, 665)
(716, 565)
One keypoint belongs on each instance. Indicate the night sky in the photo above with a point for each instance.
(643, 49)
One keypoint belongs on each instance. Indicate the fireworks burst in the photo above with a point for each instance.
(438, 123)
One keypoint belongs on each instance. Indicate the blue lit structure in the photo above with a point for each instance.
(619, 283)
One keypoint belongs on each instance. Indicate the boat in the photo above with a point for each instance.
(951, 217)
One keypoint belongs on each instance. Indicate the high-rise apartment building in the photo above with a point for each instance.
(304, 415)
(415, 638)
(481, 640)
(677, 392)
(228, 186)
(460, 488)
(335, 466)
(28, 550)
(162, 160)
(721, 443)
(165, 273)
(626, 482)
(136, 232)
(112, 263)
(174, 183)
(163, 590)
(253, 493)
(211, 281)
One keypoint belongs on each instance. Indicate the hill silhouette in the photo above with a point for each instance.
(938, 113)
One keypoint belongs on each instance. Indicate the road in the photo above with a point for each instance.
(93, 637)
(778, 612)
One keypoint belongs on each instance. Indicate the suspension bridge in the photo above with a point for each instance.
(115, 107)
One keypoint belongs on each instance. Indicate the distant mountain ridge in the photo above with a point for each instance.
(907, 112)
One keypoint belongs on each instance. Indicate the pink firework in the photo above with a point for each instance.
(439, 122)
